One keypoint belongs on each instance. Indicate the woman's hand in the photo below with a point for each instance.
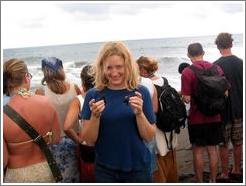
(97, 107)
(136, 103)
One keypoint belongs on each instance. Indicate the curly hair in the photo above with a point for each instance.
(224, 40)
(147, 63)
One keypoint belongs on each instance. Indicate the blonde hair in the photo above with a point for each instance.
(55, 80)
(14, 71)
(148, 63)
(131, 71)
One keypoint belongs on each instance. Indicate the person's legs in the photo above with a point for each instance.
(237, 153)
(224, 160)
(213, 162)
(198, 162)
(224, 152)
(237, 141)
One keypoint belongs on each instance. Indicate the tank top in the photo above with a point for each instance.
(61, 103)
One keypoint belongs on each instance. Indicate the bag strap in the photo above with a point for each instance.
(169, 143)
(199, 71)
(196, 70)
(165, 81)
(37, 138)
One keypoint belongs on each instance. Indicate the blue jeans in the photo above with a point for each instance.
(106, 175)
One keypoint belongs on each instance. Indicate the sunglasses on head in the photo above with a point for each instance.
(29, 75)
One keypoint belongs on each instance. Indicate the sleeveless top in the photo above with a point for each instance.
(148, 84)
(61, 103)
(81, 101)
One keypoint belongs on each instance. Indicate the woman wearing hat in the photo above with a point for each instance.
(60, 93)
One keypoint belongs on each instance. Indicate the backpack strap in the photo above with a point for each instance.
(209, 71)
(196, 70)
(37, 138)
(165, 81)
(169, 145)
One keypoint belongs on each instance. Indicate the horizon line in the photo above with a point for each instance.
(93, 42)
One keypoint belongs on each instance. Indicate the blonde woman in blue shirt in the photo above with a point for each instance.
(118, 116)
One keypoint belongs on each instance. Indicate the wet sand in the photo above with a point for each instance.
(185, 160)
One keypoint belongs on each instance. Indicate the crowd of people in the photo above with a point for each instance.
(106, 131)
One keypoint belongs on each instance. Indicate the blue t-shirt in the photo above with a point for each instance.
(119, 145)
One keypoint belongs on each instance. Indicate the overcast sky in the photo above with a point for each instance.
(25, 24)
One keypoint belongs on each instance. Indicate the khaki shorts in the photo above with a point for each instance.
(37, 173)
(233, 132)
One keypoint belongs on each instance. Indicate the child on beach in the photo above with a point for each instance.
(116, 120)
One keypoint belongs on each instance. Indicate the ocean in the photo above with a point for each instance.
(169, 52)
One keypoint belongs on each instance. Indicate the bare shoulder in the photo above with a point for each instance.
(41, 102)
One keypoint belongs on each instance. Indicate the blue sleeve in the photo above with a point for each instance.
(86, 112)
(147, 105)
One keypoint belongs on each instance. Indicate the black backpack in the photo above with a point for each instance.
(171, 113)
(210, 92)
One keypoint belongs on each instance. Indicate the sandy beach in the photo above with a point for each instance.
(185, 160)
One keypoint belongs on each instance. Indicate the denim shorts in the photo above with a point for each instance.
(106, 175)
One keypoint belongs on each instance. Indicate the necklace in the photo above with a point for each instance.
(24, 93)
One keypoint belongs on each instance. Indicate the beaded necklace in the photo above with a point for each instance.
(24, 93)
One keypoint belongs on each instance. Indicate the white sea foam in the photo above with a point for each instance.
(169, 52)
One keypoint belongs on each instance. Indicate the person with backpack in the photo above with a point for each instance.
(232, 116)
(166, 140)
(204, 128)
